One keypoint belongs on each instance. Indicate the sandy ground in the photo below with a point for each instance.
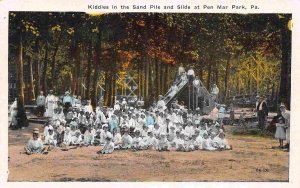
(251, 159)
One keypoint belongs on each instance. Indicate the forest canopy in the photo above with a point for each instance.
(244, 54)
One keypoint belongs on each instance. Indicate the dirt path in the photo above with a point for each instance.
(251, 159)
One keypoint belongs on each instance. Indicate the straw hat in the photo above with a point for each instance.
(36, 130)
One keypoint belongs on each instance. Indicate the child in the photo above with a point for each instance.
(198, 140)
(103, 134)
(89, 136)
(206, 144)
(67, 138)
(150, 141)
(220, 141)
(109, 145)
(163, 144)
(280, 132)
(156, 130)
(117, 139)
(50, 139)
(137, 141)
(144, 132)
(189, 130)
(35, 144)
(187, 146)
(171, 135)
(77, 138)
(179, 143)
(242, 121)
(126, 140)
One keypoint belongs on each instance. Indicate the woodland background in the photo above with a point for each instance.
(244, 54)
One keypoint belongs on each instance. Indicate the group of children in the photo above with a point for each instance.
(132, 128)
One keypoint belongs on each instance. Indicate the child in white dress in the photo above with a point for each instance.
(109, 145)
(280, 131)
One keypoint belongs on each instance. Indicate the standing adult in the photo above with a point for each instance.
(40, 102)
(286, 115)
(196, 91)
(161, 105)
(262, 112)
(191, 75)
(67, 102)
(50, 104)
(215, 91)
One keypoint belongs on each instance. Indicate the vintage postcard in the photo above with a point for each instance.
(151, 92)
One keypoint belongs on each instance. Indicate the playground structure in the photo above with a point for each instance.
(191, 96)
(186, 93)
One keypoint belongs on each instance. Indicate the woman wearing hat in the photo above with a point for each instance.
(35, 144)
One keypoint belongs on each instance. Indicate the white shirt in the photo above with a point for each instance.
(191, 72)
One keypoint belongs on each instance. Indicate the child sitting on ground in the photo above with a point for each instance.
(150, 141)
(109, 145)
(117, 138)
(137, 141)
(35, 144)
(163, 143)
(77, 139)
(220, 141)
(187, 146)
(126, 140)
(50, 138)
(180, 142)
(206, 144)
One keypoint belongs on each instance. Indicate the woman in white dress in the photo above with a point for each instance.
(50, 104)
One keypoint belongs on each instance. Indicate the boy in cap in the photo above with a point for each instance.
(35, 144)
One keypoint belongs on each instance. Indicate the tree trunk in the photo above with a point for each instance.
(21, 114)
(31, 85)
(44, 76)
(53, 61)
(285, 74)
(227, 77)
(209, 74)
(96, 72)
(161, 89)
(88, 79)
